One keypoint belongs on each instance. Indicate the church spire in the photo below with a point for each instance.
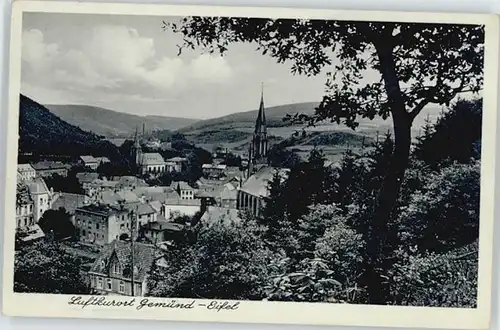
(260, 124)
(259, 146)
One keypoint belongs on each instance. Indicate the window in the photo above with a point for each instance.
(99, 282)
(108, 284)
(116, 268)
(96, 226)
(122, 287)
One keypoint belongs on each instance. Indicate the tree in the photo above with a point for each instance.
(445, 213)
(58, 223)
(460, 127)
(44, 267)
(417, 64)
(68, 184)
(227, 260)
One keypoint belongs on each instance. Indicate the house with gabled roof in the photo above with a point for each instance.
(89, 161)
(112, 271)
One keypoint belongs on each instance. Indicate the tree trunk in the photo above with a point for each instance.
(380, 234)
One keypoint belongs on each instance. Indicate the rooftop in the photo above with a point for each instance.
(163, 225)
(88, 159)
(181, 185)
(24, 168)
(87, 177)
(151, 158)
(144, 254)
(100, 209)
(145, 208)
(179, 201)
(38, 186)
(257, 183)
(50, 165)
(177, 159)
(70, 202)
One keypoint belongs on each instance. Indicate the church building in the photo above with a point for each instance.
(147, 162)
(251, 195)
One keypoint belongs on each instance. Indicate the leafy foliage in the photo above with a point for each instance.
(436, 280)
(58, 224)
(228, 260)
(445, 214)
(44, 267)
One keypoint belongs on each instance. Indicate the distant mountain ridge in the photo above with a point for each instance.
(111, 123)
(43, 133)
(274, 117)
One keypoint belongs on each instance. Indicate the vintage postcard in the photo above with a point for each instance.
(252, 165)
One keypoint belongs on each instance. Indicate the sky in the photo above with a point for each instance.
(130, 64)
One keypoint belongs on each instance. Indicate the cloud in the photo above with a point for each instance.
(116, 60)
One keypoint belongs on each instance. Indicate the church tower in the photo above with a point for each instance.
(259, 146)
(136, 149)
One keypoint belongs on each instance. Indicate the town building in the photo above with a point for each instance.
(69, 202)
(86, 180)
(48, 168)
(151, 162)
(89, 161)
(161, 231)
(176, 164)
(146, 214)
(129, 182)
(254, 191)
(101, 224)
(214, 171)
(184, 190)
(24, 207)
(26, 172)
(102, 160)
(42, 197)
(112, 272)
(259, 146)
(178, 207)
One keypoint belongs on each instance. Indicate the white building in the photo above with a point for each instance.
(26, 172)
(42, 197)
(152, 162)
(184, 190)
(177, 207)
(90, 162)
(176, 164)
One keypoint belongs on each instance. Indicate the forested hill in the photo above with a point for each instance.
(43, 133)
(112, 123)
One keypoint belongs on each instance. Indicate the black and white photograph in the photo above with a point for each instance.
(232, 158)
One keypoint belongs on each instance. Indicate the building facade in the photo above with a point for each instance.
(102, 224)
(26, 172)
(42, 197)
(89, 161)
(24, 207)
(184, 190)
(122, 269)
(49, 168)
